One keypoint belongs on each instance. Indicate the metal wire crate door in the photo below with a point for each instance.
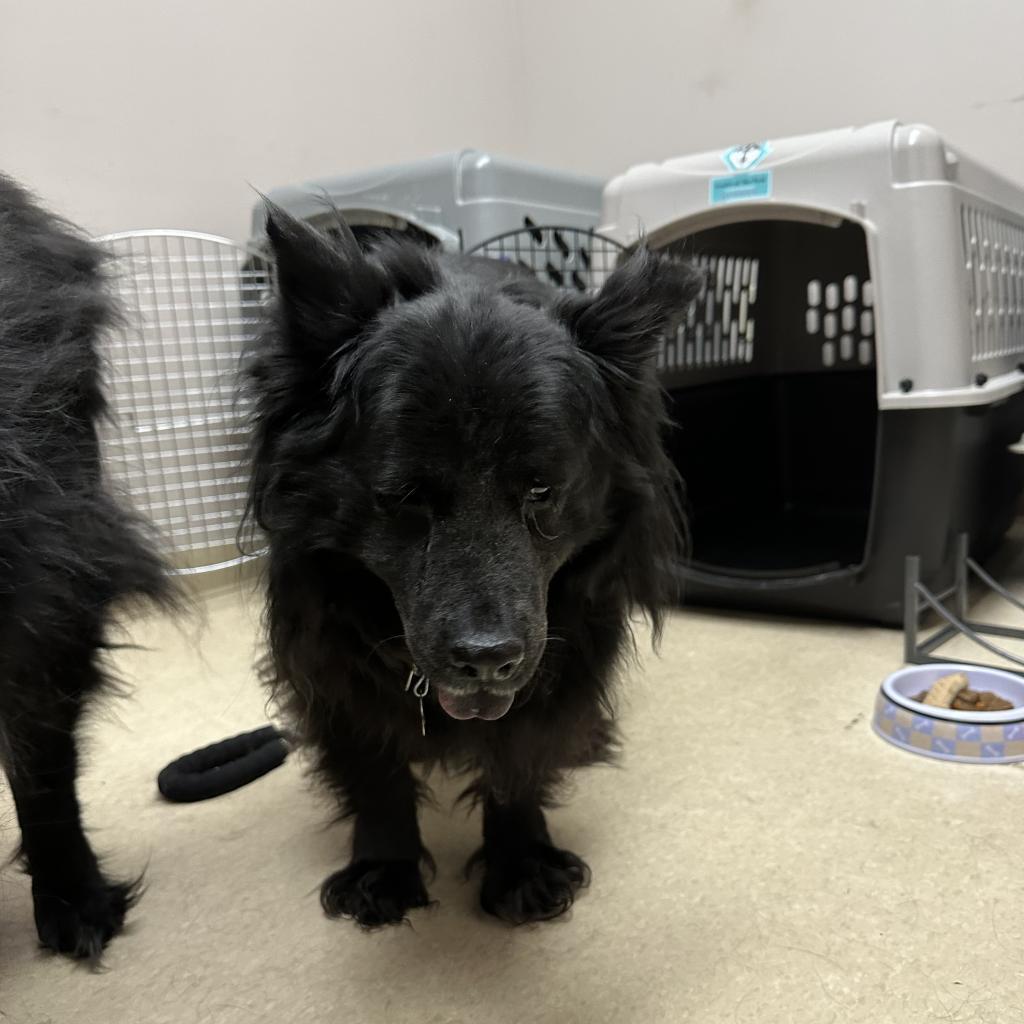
(573, 258)
(176, 443)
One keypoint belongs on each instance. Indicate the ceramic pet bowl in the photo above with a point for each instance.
(973, 737)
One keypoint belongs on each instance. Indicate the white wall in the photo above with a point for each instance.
(137, 113)
(133, 113)
(613, 83)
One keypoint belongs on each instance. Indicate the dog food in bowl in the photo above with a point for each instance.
(954, 691)
(953, 733)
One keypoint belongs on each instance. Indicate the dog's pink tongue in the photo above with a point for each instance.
(480, 704)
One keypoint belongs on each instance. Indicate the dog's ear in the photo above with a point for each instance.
(329, 290)
(622, 326)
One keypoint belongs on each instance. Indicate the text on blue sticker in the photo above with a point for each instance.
(734, 187)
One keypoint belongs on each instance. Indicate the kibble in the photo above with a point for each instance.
(965, 698)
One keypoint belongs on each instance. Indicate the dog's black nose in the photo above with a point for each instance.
(486, 659)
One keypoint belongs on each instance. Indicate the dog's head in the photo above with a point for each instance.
(461, 432)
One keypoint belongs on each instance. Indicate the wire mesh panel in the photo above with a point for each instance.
(565, 257)
(176, 443)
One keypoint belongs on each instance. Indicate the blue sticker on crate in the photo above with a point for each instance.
(736, 187)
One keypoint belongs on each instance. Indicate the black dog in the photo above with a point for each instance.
(67, 554)
(463, 483)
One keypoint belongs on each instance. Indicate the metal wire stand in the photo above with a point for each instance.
(918, 598)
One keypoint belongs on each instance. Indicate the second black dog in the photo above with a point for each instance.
(68, 555)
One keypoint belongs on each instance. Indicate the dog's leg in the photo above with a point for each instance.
(77, 909)
(526, 877)
(383, 882)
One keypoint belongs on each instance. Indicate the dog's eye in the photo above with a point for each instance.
(393, 502)
(539, 495)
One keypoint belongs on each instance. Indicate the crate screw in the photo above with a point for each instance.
(981, 379)
(906, 385)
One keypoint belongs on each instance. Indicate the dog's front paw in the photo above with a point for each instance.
(374, 892)
(536, 884)
(78, 920)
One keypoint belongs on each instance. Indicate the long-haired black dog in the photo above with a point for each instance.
(462, 479)
(68, 553)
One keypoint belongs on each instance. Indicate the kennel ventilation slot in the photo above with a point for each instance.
(751, 318)
(841, 313)
(993, 249)
(718, 329)
(177, 438)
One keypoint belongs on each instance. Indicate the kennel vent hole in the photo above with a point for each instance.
(719, 327)
(848, 316)
(780, 297)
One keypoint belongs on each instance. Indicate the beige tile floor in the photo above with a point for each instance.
(760, 857)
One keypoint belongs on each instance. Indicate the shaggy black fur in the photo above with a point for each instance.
(462, 470)
(68, 553)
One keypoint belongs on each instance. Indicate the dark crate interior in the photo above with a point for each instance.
(774, 398)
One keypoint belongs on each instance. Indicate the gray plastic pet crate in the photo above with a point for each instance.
(847, 389)
(457, 200)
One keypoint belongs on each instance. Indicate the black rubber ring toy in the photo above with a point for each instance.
(224, 766)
